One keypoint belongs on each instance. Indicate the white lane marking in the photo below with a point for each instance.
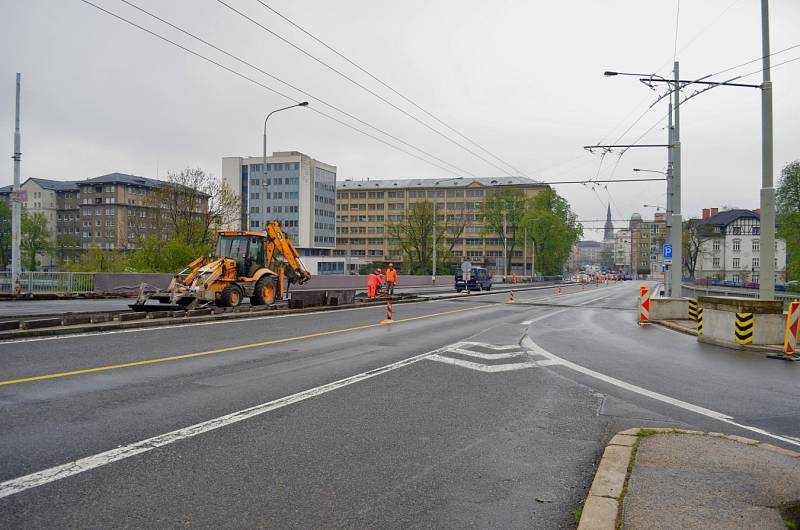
(535, 348)
(33, 480)
(554, 313)
(491, 368)
(481, 355)
(485, 345)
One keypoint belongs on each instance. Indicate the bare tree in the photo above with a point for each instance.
(696, 234)
(192, 203)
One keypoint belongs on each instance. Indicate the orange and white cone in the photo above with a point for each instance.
(389, 312)
(511, 296)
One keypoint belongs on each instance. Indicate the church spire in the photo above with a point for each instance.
(608, 232)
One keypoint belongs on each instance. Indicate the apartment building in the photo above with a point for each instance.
(296, 190)
(118, 210)
(647, 241)
(731, 249)
(364, 209)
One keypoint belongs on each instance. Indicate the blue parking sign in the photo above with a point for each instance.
(667, 250)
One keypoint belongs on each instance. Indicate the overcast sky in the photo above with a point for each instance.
(522, 78)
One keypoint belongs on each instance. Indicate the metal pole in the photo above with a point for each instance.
(433, 276)
(669, 198)
(16, 219)
(766, 280)
(525, 252)
(677, 222)
(505, 247)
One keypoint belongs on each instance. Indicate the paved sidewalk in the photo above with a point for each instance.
(687, 480)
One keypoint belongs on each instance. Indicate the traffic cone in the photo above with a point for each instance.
(511, 297)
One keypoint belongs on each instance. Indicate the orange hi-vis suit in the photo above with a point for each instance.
(372, 285)
(391, 275)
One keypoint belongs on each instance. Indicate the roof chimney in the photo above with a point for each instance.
(714, 211)
(706, 213)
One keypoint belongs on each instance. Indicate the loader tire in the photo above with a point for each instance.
(231, 296)
(264, 292)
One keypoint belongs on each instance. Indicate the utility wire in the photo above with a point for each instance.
(386, 85)
(250, 79)
(367, 89)
(285, 83)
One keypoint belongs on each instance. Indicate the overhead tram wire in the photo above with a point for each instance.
(365, 88)
(389, 87)
(286, 83)
(251, 80)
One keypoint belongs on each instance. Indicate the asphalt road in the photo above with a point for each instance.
(462, 413)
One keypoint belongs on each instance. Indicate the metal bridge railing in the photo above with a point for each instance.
(49, 283)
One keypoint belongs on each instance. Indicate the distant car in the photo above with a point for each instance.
(479, 280)
(751, 285)
(780, 287)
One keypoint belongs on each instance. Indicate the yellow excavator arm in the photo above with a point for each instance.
(277, 240)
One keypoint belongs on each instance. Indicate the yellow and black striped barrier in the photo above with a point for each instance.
(693, 309)
(699, 319)
(744, 328)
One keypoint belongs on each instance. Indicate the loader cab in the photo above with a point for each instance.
(246, 249)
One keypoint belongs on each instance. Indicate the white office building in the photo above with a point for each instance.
(296, 190)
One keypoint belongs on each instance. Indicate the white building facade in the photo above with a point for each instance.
(732, 251)
(296, 190)
(622, 251)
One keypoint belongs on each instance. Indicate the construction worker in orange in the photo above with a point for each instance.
(381, 280)
(391, 279)
(372, 284)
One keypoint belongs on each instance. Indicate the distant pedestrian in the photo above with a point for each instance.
(391, 279)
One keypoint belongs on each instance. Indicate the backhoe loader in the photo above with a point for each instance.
(245, 264)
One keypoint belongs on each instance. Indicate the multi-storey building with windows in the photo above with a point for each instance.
(622, 251)
(365, 208)
(296, 190)
(118, 210)
(731, 247)
(647, 241)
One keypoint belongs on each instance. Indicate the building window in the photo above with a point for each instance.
(736, 263)
(715, 263)
(715, 245)
(756, 245)
(755, 263)
(755, 230)
(736, 230)
(737, 245)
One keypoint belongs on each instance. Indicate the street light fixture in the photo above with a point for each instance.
(264, 153)
(650, 171)
(433, 276)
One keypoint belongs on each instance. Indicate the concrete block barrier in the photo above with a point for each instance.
(9, 324)
(199, 312)
(73, 320)
(125, 317)
(97, 319)
(40, 323)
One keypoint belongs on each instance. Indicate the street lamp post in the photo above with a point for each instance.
(433, 231)
(264, 153)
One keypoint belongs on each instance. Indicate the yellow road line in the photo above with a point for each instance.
(223, 350)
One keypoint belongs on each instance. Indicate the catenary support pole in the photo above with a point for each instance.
(669, 198)
(16, 216)
(766, 280)
(677, 222)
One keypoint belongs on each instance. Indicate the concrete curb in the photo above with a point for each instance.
(248, 312)
(604, 504)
